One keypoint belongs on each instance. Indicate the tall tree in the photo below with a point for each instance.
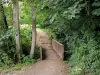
(33, 31)
(17, 27)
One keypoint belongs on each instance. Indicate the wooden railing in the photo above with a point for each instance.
(59, 48)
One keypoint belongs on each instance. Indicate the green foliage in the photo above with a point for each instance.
(37, 53)
(80, 40)
(96, 9)
(96, 12)
(27, 60)
(67, 8)
(26, 34)
(25, 13)
(7, 49)
(50, 33)
(8, 13)
(75, 9)
(26, 38)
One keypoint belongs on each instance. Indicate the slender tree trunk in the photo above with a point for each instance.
(33, 33)
(89, 7)
(17, 27)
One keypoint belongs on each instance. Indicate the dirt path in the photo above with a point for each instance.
(51, 65)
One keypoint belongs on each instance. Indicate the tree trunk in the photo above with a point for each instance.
(17, 27)
(33, 33)
(89, 7)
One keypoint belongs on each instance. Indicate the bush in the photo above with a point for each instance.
(7, 49)
(27, 60)
(37, 53)
(26, 38)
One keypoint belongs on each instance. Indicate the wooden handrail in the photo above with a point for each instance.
(59, 48)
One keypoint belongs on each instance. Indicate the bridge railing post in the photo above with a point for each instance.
(41, 52)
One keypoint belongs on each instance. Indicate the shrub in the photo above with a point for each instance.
(27, 60)
(26, 38)
(7, 49)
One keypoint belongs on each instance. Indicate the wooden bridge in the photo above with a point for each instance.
(57, 47)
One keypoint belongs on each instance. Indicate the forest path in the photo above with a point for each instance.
(51, 65)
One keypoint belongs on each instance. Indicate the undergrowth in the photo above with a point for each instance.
(82, 46)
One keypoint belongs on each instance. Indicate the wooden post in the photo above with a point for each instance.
(41, 52)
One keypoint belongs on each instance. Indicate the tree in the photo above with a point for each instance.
(33, 32)
(17, 27)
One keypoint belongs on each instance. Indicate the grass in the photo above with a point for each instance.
(17, 67)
